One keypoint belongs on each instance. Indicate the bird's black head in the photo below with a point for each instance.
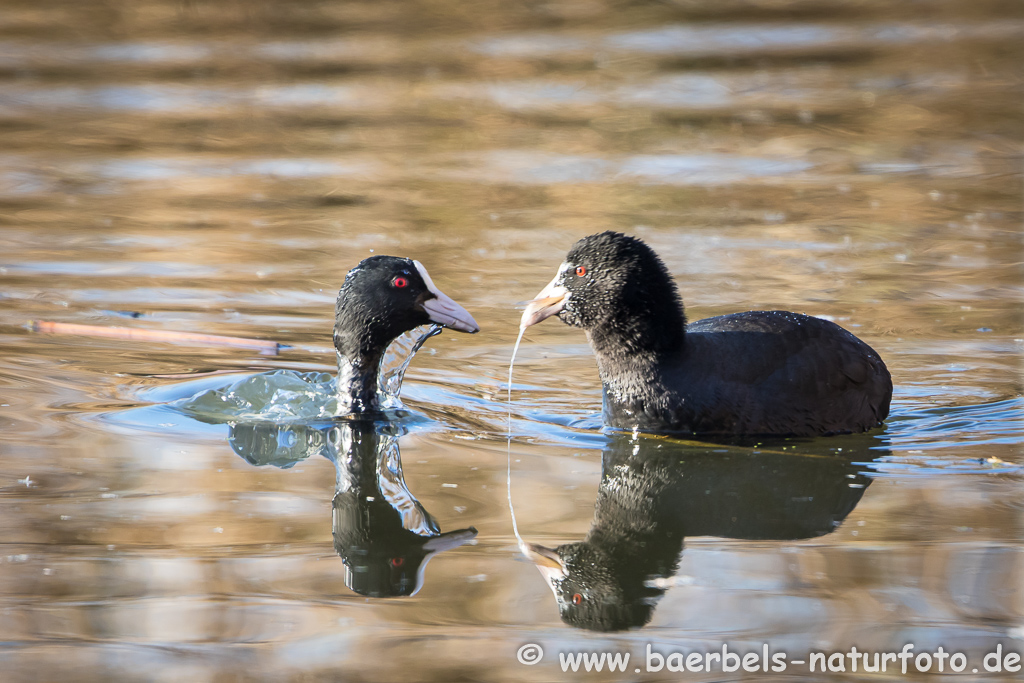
(383, 558)
(384, 536)
(613, 283)
(382, 298)
(595, 590)
(385, 296)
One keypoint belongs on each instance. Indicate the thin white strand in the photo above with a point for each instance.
(508, 472)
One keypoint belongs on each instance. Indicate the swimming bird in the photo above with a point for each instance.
(753, 373)
(380, 299)
(383, 534)
(655, 492)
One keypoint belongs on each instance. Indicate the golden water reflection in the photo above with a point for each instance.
(218, 168)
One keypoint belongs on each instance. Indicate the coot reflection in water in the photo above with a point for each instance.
(655, 492)
(383, 534)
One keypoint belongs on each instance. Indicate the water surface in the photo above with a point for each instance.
(218, 169)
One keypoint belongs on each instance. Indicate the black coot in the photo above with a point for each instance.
(753, 373)
(654, 493)
(381, 298)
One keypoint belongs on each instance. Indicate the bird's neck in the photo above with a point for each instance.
(633, 351)
(358, 370)
(638, 546)
(653, 327)
(371, 493)
(634, 516)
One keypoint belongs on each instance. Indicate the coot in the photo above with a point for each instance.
(654, 493)
(381, 298)
(753, 373)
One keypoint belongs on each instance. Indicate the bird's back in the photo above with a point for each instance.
(776, 372)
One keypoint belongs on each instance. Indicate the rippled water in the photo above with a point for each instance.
(218, 168)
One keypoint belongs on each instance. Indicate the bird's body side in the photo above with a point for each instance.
(758, 372)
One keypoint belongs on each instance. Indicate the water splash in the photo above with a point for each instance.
(276, 396)
(396, 361)
(287, 395)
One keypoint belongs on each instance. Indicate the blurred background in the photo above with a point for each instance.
(218, 167)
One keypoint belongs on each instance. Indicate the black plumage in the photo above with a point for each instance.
(758, 372)
(381, 298)
(655, 493)
(383, 534)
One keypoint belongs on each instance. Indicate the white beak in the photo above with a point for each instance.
(443, 310)
(547, 303)
(547, 561)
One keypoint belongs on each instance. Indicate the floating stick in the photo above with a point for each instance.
(267, 348)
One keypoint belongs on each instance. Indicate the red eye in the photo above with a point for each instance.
(397, 561)
(580, 271)
(400, 282)
(577, 598)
